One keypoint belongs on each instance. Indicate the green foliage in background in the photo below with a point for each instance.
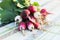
(7, 12)
(10, 10)
(7, 16)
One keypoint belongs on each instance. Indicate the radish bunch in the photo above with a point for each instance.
(31, 18)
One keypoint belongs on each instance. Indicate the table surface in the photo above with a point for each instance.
(9, 32)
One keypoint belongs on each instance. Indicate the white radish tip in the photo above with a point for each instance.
(18, 18)
(37, 14)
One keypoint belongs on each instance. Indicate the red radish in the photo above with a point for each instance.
(30, 25)
(32, 19)
(32, 9)
(37, 25)
(22, 26)
(44, 12)
(25, 13)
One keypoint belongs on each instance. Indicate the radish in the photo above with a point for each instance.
(44, 16)
(25, 13)
(37, 25)
(22, 26)
(18, 19)
(32, 9)
(32, 19)
(30, 26)
(44, 12)
(37, 14)
(38, 17)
